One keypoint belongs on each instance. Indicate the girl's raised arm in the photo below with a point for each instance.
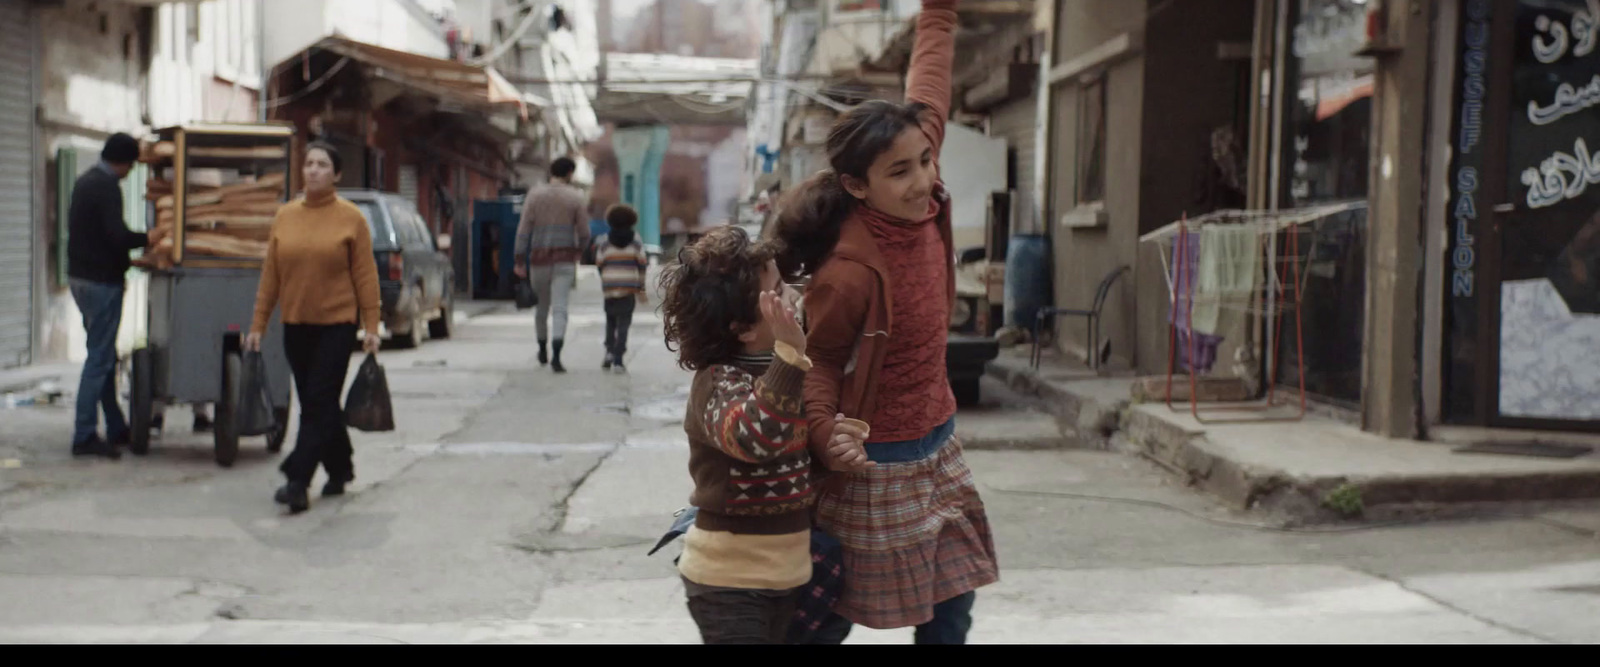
(932, 58)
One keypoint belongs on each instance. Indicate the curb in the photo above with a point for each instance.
(1085, 423)
(27, 379)
(1291, 499)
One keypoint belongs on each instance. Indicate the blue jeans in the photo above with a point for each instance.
(101, 305)
(952, 618)
(907, 451)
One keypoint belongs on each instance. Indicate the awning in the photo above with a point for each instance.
(476, 88)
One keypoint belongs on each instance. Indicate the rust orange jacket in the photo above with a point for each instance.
(848, 306)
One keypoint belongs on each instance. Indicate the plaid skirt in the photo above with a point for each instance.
(914, 534)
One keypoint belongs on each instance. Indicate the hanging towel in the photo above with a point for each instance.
(1230, 266)
(1185, 257)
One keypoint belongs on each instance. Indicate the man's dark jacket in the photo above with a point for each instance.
(98, 240)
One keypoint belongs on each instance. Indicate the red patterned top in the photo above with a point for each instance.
(914, 394)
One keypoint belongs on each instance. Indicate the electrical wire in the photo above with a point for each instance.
(710, 109)
(273, 103)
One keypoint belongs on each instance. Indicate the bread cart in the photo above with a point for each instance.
(216, 187)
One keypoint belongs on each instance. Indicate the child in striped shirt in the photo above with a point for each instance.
(623, 265)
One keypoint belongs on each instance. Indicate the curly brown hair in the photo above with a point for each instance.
(712, 295)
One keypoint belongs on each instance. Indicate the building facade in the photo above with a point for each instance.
(1454, 286)
(107, 67)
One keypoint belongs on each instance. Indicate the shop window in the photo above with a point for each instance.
(1091, 186)
(1324, 150)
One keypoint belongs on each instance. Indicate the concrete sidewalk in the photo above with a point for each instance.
(1314, 470)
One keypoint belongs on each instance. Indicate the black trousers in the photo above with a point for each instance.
(619, 317)
(319, 356)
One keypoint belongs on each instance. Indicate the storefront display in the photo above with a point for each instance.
(1523, 272)
(1550, 244)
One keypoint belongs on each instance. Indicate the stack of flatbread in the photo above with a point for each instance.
(232, 221)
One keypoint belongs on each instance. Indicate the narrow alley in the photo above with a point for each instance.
(513, 505)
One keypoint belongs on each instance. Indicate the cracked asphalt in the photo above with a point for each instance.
(513, 505)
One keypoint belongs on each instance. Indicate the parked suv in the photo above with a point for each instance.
(415, 278)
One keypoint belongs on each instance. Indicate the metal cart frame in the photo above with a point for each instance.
(199, 312)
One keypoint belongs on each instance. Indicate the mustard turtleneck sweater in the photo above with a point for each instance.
(319, 268)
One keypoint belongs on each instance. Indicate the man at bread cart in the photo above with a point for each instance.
(98, 243)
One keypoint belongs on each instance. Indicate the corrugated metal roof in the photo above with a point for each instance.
(479, 87)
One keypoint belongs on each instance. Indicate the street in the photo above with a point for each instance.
(514, 505)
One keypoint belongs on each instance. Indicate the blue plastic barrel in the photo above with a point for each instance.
(1029, 286)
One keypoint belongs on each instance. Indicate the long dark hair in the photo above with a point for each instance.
(810, 215)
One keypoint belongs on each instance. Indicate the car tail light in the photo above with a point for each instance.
(396, 266)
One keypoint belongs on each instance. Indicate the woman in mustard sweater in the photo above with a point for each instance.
(321, 274)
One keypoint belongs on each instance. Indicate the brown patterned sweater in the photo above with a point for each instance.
(747, 446)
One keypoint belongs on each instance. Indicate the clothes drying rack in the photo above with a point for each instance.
(1273, 294)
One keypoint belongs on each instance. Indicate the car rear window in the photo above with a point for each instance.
(382, 236)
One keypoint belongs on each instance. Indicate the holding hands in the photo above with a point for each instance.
(847, 451)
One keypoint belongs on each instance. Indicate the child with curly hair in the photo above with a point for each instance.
(749, 551)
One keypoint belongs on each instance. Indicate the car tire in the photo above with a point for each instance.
(440, 329)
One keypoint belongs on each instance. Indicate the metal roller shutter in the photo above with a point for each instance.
(16, 183)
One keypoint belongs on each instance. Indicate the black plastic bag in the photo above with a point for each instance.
(367, 406)
(524, 294)
(254, 414)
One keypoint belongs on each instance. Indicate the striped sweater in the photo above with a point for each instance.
(622, 270)
(554, 227)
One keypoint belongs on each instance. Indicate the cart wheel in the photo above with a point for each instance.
(141, 402)
(226, 431)
(278, 435)
(440, 329)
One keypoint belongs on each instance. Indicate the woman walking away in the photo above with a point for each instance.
(321, 274)
(874, 234)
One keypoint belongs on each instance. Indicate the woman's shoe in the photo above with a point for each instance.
(333, 488)
(295, 496)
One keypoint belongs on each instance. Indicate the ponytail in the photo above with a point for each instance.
(809, 220)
